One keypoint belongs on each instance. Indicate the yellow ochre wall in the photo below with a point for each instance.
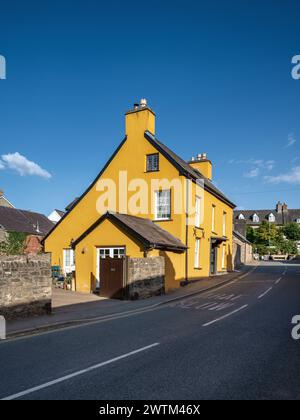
(131, 158)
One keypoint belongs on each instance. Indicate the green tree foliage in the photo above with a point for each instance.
(251, 235)
(14, 243)
(292, 231)
(267, 233)
(268, 239)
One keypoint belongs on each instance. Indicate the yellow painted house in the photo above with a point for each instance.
(146, 202)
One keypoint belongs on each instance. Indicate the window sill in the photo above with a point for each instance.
(198, 268)
(162, 220)
(149, 172)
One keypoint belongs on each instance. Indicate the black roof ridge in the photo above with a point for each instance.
(186, 169)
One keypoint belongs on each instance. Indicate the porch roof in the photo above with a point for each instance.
(144, 230)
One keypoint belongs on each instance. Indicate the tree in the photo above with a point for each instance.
(14, 243)
(266, 233)
(292, 231)
(251, 235)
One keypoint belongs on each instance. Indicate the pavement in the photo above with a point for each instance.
(70, 308)
(233, 342)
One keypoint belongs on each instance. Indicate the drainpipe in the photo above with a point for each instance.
(187, 232)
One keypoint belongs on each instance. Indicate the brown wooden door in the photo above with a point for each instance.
(111, 277)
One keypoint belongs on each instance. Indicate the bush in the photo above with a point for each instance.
(14, 244)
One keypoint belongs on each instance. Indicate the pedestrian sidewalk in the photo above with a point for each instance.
(71, 308)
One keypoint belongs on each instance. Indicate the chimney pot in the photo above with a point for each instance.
(143, 103)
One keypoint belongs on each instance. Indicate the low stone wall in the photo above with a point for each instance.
(25, 285)
(145, 277)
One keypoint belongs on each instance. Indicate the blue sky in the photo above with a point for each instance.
(217, 74)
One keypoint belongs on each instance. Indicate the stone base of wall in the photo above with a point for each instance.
(25, 285)
(145, 277)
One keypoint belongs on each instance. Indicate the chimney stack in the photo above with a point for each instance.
(1, 193)
(202, 164)
(279, 207)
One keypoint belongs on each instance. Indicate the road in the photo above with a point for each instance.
(231, 343)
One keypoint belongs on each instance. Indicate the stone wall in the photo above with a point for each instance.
(242, 252)
(25, 285)
(145, 277)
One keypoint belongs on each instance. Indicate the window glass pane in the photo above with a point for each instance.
(197, 252)
(152, 162)
(198, 212)
(163, 204)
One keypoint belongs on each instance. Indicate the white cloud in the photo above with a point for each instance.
(291, 177)
(2, 166)
(291, 140)
(23, 166)
(260, 164)
(253, 173)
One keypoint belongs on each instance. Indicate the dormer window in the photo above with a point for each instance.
(255, 218)
(271, 218)
(152, 162)
(298, 221)
(241, 217)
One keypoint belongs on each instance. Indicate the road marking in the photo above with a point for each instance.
(278, 280)
(264, 294)
(224, 316)
(236, 297)
(75, 374)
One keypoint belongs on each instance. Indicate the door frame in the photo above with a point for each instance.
(72, 256)
(215, 247)
(111, 248)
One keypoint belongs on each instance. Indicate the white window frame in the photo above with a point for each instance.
(271, 218)
(71, 267)
(197, 253)
(156, 194)
(223, 257)
(198, 211)
(255, 218)
(298, 221)
(111, 255)
(213, 218)
(224, 227)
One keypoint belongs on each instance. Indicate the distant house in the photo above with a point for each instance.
(4, 201)
(279, 216)
(35, 225)
(56, 215)
(242, 250)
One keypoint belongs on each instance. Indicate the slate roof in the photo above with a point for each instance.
(183, 167)
(241, 237)
(144, 230)
(186, 169)
(291, 215)
(14, 220)
(60, 212)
